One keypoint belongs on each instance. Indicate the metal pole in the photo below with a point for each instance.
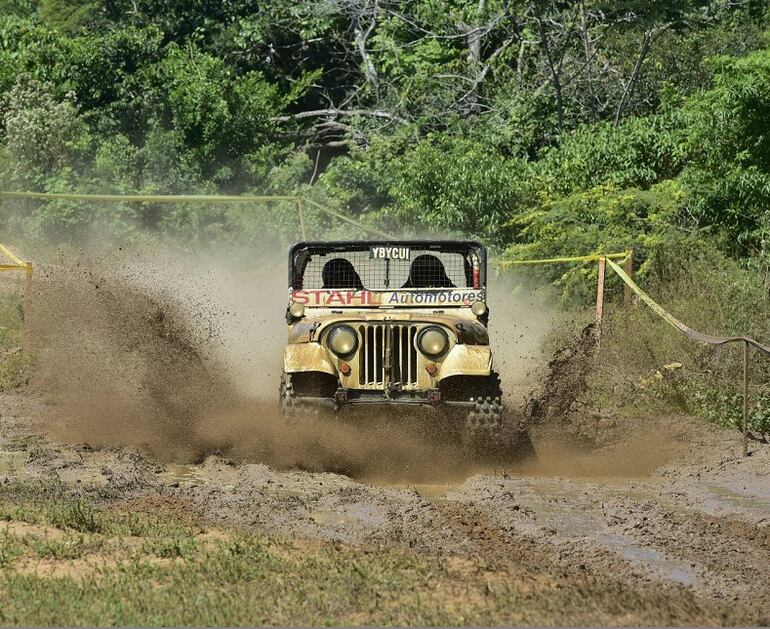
(301, 208)
(600, 300)
(745, 398)
(628, 295)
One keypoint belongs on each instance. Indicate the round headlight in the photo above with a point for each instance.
(297, 310)
(432, 341)
(478, 308)
(342, 340)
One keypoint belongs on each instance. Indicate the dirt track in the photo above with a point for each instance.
(663, 524)
(668, 527)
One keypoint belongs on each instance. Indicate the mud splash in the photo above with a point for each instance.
(181, 363)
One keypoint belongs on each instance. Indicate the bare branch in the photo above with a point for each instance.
(332, 112)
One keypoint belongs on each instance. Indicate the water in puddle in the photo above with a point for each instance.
(183, 472)
(554, 504)
(718, 497)
(670, 569)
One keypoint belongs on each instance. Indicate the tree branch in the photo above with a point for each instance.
(332, 112)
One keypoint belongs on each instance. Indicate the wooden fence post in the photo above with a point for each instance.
(26, 299)
(745, 398)
(301, 209)
(600, 300)
(628, 294)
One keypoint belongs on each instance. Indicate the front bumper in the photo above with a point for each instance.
(358, 397)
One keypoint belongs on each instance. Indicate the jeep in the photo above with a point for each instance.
(399, 323)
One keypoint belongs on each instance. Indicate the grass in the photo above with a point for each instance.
(12, 361)
(10, 320)
(158, 565)
(83, 565)
(57, 549)
(711, 295)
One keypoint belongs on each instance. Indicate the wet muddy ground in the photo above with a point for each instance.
(667, 526)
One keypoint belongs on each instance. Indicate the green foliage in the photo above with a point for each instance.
(41, 134)
(68, 15)
(460, 186)
(540, 127)
(600, 220)
(730, 173)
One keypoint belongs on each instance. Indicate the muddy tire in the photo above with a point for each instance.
(290, 407)
(489, 429)
(294, 412)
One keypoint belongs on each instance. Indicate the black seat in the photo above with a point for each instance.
(340, 273)
(428, 271)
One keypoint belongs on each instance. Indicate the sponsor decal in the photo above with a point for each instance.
(390, 253)
(366, 298)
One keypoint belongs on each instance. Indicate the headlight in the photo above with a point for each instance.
(297, 310)
(432, 341)
(342, 340)
(478, 308)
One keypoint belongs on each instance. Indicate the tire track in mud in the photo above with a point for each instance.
(618, 588)
(536, 532)
(625, 543)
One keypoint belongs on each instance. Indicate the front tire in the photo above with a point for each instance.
(489, 431)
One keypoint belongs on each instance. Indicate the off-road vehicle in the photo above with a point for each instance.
(392, 323)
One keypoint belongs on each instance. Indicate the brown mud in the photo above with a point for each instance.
(661, 521)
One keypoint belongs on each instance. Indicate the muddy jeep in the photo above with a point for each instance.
(391, 323)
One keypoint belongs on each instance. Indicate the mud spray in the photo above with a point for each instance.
(180, 355)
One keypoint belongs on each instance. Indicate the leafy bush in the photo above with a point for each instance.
(76, 514)
(638, 344)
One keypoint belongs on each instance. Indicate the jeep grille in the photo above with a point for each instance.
(387, 355)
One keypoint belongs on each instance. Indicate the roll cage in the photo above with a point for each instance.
(394, 265)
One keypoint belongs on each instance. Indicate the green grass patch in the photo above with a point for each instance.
(11, 317)
(68, 547)
(76, 514)
(253, 580)
(181, 573)
(171, 547)
(10, 549)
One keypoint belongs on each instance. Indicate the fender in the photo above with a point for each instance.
(467, 360)
(302, 357)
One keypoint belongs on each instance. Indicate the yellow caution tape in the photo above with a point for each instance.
(18, 265)
(673, 321)
(148, 198)
(189, 198)
(350, 221)
(11, 257)
(590, 258)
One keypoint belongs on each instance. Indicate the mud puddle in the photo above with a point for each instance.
(183, 473)
(719, 499)
(568, 512)
(434, 492)
(667, 568)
